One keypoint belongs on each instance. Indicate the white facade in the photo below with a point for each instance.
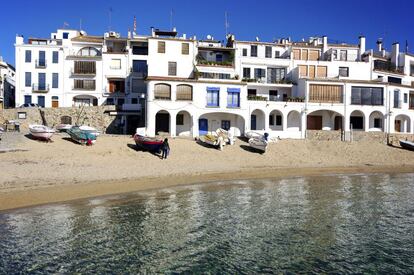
(187, 87)
(7, 84)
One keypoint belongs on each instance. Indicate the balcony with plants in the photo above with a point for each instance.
(215, 58)
(387, 66)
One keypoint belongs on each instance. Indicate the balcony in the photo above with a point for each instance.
(84, 85)
(40, 63)
(387, 66)
(40, 88)
(83, 73)
(256, 98)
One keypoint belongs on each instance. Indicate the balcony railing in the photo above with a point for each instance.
(256, 98)
(83, 72)
(40, 63)
(216, 63)
(40, 88)
(387, 66)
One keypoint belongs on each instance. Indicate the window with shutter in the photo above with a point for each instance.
(172, 68)
(185, 48)
(161, 47)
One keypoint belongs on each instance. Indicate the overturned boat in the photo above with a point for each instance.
(81, 136)
(259, 143)
(409, 145)
(41, 131)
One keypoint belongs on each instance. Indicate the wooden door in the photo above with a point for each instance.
(397, 127)
(312, 71)
(338, 123)
(55, 103)
(314, 122)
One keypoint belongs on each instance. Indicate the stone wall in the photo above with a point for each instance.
(95, 116)
(358, 136)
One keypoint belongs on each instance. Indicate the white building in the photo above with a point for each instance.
(188, 87)
(7, 85)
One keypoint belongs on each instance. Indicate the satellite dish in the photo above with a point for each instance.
(209, 37)
(257, 39)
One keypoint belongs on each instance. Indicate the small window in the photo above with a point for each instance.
(246, 72)
(268, 53)
(377, 123)
(65, 35)
(343, 55)
(115, 64)
(405, 98)
(225, 124)
(55, 57)
(271, 120)
(344, 71)
(213, 97)
(219, 58)
(185, 48)
(28, 79)
(278, 120)
(244, 52)
(277, 54)
(134, 100)
(161, 47)
(172, 68)
(253, 51)
(28, 56)
(180, 119)
(251, 92)
(55, 80)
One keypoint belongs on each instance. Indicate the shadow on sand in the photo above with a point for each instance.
(140, 149)
(205, 145)
(31, 137)
(250, 149)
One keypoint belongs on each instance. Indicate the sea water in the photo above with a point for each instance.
(328, 224)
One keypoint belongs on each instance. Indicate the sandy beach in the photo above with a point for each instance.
(61, 170)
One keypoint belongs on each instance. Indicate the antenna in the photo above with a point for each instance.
(80, 24)
(226, 23)
(171, 19)
(135, 24)
(110, 18)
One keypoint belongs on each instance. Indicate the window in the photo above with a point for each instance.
(253, 51)
(28, 79)
(412, 69)
(377, 123)
(116, 86)
(225, 124)
(259, 73)
(65, 35)
(41, 101)
(219, 58)
(162, 91)
(42, 81)
(251, 92)
(245, 53)
(184, 92)
(357, 122)
(246, 72)
(343, 55)
(397, 99)
(89, 51)
(172, 68)
(180, 119)
(405, 98)
(55, 101)
(110, 101)
(367, 96)
(85, 67)
(161, 47)
(275, 75)
(233, 97)
(134, 100)
(268, 53)
(55, 80)
(271, 120)
(28, 56)
(42, 59)
(213, 97)
(139, 67)
(185, 48)
(84, 84)
(394, 80)
(277, 54)
(140, 48)
(344, 71)
(273, 95)
(278, 120)
(27, 99)
(215, 75)
(55, 57)
(115, 64)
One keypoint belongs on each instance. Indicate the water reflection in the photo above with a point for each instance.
(345, 223)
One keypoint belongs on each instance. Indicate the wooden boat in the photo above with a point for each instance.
(252, 134)
(213, 140)
(81, 136)
(41, 131)
(148, 143)
(63, 127)
(409, 145)
(90, 130)
(259, 143)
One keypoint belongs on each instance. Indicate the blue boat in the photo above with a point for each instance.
(81, 136)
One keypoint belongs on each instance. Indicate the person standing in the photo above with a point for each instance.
(165, 148)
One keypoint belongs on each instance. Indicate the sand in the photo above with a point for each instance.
(63, 170)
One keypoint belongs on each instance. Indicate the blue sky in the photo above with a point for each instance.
(339, 20)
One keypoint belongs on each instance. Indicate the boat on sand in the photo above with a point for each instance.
(41, 131)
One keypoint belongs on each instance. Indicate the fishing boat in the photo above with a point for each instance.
(259, 143)
(252, 134)
(41, 131)
(63, 127)
(81, 136)
(218, 138)
(151, 144)
(409, 145)
(90, 130)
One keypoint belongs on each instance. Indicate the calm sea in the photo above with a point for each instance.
(329, 224)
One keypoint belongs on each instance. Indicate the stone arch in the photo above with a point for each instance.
(276, 120)
(257, 120)
(402, 124)
(162, 122)
(183, 123)
(323, 119)
(294, 121)
(376, 121)
(357, 120)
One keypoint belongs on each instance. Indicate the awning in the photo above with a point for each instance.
(213, 89)
(233, 90)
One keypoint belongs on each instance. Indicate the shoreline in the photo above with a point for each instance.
(48, 194)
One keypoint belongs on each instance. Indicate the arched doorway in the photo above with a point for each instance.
(324, 120)
(183, 124)
(162, 123)
(294, 121)
(276, 120)
(357, 121)
(376, 121)
(402, 124)
(257, 120)
(210, 122)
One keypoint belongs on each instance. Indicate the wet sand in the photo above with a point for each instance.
(63, 170)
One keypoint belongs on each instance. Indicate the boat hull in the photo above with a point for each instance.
(407, 145)
(258, 144)
(63, 127)
(41, 132)
(147, 143)
(80, 136)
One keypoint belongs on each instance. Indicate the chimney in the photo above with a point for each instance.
(152, 32)
(324, 44)
(395, 54)
(19, 40)
(361, 46)
(184, 36)
(379, 44)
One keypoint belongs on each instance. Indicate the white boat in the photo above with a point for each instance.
(259, 143)
(252, 134)
(1, 131)
(90, 130)
(213, 140)
(41, 131)
(409, 145)
(63, 127)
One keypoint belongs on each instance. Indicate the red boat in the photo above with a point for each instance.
(148, 143)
